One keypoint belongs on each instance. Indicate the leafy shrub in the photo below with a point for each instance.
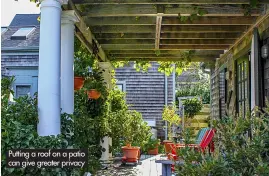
(200, 90)
(135, 129)
(19, 130)
(151, 144)
(241, 148)
(170, 115)
(192, 107)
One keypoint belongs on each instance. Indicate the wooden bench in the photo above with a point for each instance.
(166, 166)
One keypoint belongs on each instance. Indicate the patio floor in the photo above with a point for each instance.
(145, 167)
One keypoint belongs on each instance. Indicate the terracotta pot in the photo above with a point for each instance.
(168, 147)
(131, 153)
(93, 94)
(153, 151)
(78, 82)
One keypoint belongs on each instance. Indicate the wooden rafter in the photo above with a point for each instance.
(170, 29)
(84, 34)
(134, 29)
(138, 55)
(158, 31)
(193, 59)
(151, 10)
(166, 47)
(197, 2)
(165, 52)
(237, 20)
(107, 36)
(168, 41)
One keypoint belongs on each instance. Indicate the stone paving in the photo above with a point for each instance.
(145, 167)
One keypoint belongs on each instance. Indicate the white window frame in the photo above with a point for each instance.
(123, 83)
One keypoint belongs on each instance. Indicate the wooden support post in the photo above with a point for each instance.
(158, 31)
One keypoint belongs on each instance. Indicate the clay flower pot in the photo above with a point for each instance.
(93, 94)
(168, 146)
(132, 154)
(153, 151)
(78, 82)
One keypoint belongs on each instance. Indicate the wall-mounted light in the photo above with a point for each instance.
(264, 51)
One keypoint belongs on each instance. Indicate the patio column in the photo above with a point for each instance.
(106, 141)
(67, 60)
(49, 68)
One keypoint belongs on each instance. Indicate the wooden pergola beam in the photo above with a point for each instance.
(138, 55)
(165, 52)
(169, 29)
(169, 41)
(203, 20)
(197, 41)
(193, 59)
(200, 35)
(84, 34)
(204, 29)
(150, 10)
(108, 36)
(197, 2)
(194, 47)
(158, 31)
(109, 47)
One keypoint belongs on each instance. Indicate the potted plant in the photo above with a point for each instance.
(169, 115)
(95, 84)
(80, 72)
(152, 146)
(135, 131)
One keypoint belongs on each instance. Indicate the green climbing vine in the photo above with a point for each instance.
(248, 7)
(197, 12)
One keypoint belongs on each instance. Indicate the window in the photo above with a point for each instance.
(242, 85)
(222, 92)
(3, 30)
(22, 33)
(121, 85)
(23, 90)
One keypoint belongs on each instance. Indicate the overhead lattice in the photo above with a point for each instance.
(135, 29)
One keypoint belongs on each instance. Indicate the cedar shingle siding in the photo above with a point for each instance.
(145, 92)
(17, 61)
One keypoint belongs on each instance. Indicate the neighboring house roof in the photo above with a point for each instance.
(25, 20)
(21, 21)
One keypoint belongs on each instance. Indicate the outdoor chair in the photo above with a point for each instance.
(207, 141)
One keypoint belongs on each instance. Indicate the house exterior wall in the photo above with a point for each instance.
(145, 92)
(228, 62)
(17, 61)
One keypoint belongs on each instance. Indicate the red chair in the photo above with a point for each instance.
(207, 141)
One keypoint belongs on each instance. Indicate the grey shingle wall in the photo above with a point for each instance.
(17, 60)
(145, 92)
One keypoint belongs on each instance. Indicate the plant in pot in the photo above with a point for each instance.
(135, 131)
(80, 72)
(169, 115)
(152, 146)
(95, 85)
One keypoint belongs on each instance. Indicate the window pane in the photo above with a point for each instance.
(246, 71)
(243, 71)
(120, 86)
(23, 91)
(23, 31)
(239, 72)
(246, 89)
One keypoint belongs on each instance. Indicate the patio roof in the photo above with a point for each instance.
(135, 29)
